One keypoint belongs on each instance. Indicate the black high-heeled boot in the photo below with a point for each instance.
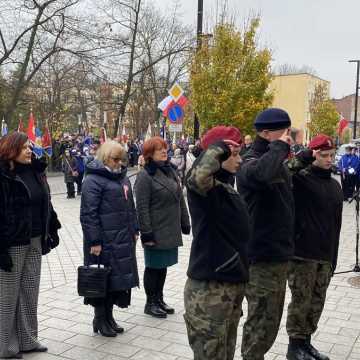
(110, 319)
(100, 323)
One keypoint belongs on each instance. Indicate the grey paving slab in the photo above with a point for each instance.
(65, 323)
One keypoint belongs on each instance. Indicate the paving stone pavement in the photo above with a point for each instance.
(65, 323)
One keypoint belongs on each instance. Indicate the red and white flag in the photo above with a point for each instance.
(342, 125)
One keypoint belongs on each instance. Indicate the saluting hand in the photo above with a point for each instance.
(285, 137)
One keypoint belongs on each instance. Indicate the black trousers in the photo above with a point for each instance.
(348, 183)
(79, 180)
(70, 189)
(154, 281)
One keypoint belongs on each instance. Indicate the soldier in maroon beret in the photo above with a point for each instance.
(318, 209)
(218, 265)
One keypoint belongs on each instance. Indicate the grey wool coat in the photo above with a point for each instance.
(161, 208)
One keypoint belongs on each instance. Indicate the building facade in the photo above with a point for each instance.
(293, 93)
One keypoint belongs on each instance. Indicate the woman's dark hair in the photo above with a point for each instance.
(11, 145)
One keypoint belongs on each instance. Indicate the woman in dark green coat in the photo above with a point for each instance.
(163, 217)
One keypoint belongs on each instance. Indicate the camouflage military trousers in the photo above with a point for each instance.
(308, 282)
(213, 311)
(265, 294)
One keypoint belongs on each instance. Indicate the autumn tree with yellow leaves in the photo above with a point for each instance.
(323, 114)
(230, 76)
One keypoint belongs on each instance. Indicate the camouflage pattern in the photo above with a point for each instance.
(265, 294)
(213, 311)
(200, 178)
(308, 282)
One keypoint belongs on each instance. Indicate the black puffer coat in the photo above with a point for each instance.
(108, 218)
(15, 210)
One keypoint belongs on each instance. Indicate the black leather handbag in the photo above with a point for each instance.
(93, 281)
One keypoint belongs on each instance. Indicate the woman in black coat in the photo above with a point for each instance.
(109, 223)
(28, 230)
(163, 216)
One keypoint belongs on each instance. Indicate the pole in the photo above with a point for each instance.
(356, 94)
(199, 34)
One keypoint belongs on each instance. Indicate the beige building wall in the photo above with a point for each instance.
(293, 93)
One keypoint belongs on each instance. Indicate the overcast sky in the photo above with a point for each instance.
(323, 34)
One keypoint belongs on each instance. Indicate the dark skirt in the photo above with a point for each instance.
(160, 259)
(121, 299)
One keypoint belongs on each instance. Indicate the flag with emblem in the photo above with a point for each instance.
(34, 135)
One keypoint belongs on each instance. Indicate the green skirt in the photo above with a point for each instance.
(159, 259)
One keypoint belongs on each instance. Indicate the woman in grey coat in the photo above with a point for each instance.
(163, 216)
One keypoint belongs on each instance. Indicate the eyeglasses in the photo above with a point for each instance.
(116, 159)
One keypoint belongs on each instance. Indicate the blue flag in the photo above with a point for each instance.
(4, 129)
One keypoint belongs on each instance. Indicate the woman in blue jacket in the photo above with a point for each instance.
(109, 223)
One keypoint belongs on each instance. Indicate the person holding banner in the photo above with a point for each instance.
(28, 230)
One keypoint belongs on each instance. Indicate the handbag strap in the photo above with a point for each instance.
(98, 261)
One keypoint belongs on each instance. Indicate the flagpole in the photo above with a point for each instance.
(356, 94)
(199, 34)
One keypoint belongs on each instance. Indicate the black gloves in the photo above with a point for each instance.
(306, 156)
(147, 238)
(5, 262)
(225, 147)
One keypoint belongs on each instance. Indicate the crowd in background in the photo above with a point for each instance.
(73, 152)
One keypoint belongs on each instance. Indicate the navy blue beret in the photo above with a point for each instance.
(272, 119)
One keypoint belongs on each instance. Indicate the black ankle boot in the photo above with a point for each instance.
(153, 308)
(313, 351)
(110, 319)
(297, 350)
(164, 306)
(100, 324)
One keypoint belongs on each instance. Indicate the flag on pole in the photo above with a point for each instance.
(124, 137)
(34, 135)
(165, 103)
(182, 101)
(4, 128)
(342, 125)
(103, 136)
(20, 126)
(46, 142)
(148, 133)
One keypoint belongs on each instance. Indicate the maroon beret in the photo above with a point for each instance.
(321, 142)
(219, 133)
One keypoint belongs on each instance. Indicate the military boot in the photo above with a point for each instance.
(313, 351)
(100, 324)
(297, 350)
(153, 308)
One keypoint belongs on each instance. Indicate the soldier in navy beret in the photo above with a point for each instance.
(265, 183)
(318, 208)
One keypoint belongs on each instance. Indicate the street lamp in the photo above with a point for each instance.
(199, 33)
(356, 94)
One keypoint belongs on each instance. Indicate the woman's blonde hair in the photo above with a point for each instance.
(104, 151)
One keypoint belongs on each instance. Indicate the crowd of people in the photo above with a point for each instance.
(261, 217)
